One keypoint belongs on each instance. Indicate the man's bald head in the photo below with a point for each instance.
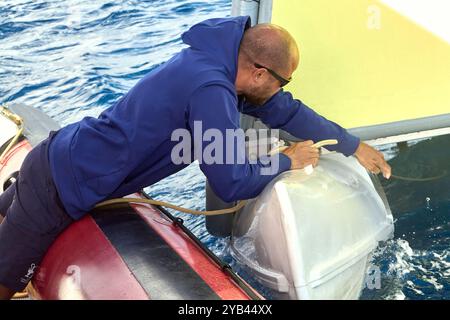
(271, 46)
(268, 56)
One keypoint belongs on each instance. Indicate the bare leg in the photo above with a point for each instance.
(5, 293)
(1, 218)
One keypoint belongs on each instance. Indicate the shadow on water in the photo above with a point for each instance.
(416, 263)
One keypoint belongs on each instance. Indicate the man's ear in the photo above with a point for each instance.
(257, 75)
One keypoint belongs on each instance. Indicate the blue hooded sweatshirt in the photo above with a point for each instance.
(129, 145)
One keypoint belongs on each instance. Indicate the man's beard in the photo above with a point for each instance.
(254, 100)
(257, 96)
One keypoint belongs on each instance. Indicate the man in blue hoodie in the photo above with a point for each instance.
(227, 69)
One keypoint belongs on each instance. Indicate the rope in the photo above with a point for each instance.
(317, 145)
(172, 206)
(18, 121)
(419, 179)
(323, 143)
(20, 295)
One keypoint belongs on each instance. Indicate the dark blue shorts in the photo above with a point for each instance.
(34, 218)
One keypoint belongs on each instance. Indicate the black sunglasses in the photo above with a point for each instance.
(282, 80)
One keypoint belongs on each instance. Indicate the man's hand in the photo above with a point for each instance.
(302, 154)
(372, 160)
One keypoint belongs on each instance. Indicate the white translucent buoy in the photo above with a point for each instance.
(310, 236)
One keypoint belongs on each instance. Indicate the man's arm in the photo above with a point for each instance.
(216, 108)
(282, 111)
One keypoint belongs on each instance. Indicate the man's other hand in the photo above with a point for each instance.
(372, 160)
(302, 154)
